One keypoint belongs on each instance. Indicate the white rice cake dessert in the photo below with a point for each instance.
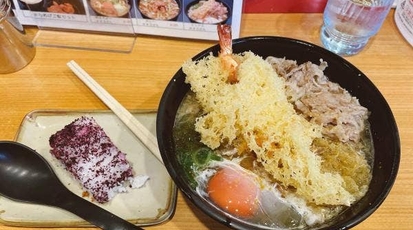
(92, 158)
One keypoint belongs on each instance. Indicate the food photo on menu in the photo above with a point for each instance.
(199, 11)
(195, 19)
(110, 8)
(53, 6)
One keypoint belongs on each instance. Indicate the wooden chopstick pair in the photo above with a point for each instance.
(144, 135)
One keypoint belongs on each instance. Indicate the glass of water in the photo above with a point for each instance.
(349, 24)
(16, 49)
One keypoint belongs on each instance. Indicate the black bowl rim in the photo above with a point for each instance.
(224, 218)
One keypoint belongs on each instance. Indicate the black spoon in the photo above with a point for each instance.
(26, 176)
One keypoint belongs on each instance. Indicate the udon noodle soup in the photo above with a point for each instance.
(282, 148)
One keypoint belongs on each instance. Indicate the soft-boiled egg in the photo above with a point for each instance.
(234, 191)
(243, 194)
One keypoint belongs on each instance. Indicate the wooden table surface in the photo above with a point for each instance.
(137, 80)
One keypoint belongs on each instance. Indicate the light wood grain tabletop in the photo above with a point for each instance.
(137, 80)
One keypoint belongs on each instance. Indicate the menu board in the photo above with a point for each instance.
(176, 18)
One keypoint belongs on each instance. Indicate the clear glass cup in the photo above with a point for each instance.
(349, 24)
(16, 48)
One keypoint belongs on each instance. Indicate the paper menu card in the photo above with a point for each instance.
(140, 16)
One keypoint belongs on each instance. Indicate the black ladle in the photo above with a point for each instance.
(26, 176)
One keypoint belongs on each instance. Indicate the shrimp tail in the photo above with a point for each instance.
(225, 54)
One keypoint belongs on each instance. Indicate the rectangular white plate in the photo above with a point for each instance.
(152, 204)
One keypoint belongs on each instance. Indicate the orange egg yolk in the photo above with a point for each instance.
(234, 191)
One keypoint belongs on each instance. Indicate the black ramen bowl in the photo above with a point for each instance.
(383, 126)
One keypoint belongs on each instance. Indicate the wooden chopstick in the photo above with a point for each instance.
(144, 135)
